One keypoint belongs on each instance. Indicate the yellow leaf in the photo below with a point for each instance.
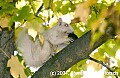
(82, 12)
(95, 25)
(100, 24)
(16, 69)
(88, 3)
(41, 40)
(4, 21)
(32, 33)
(35, 25)
(103, 26)
(17, 31)
(104, 12)
(95, 65)
(117, 7)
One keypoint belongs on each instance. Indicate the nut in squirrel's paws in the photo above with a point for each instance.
(72, 37)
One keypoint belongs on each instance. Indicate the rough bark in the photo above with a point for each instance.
(73, 53)
(6, 50)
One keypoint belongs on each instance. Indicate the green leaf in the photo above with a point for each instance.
(79, 66)
(19, 58)
(117, 7)
(118, 62)
(24, 14)
(65, 76)
(28, 71)
(56, 6)
(46, 3)
(9, 0)
(101, 52)
(67, 8)
(35, 24)
(77, 31)
(109, 48)
(117, 42)
(95, 37)
(7, 8)
(118, 70)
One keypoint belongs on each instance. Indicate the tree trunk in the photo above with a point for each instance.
(6, 50)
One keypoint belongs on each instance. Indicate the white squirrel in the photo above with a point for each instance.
(35, 54)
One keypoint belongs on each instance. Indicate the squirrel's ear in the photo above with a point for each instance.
(59, 20)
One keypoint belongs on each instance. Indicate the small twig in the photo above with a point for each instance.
(100, 62)
(38, 11)
(49, 11)
(4, 53)
(21, 24)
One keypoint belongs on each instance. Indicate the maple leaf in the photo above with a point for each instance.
(16, 69)
(82, 12)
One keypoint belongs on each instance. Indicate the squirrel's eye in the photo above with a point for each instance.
(66, 25)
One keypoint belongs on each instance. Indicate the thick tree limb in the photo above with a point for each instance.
(73, 53)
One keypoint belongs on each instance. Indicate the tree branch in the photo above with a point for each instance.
(70, 55)
(100, 62)
(38, 11)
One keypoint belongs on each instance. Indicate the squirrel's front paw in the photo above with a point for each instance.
(53, 53)
(71, 40)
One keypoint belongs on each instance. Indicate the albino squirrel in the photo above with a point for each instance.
(35, 54)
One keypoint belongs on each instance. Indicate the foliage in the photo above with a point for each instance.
(17, 70)
(86, 15)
